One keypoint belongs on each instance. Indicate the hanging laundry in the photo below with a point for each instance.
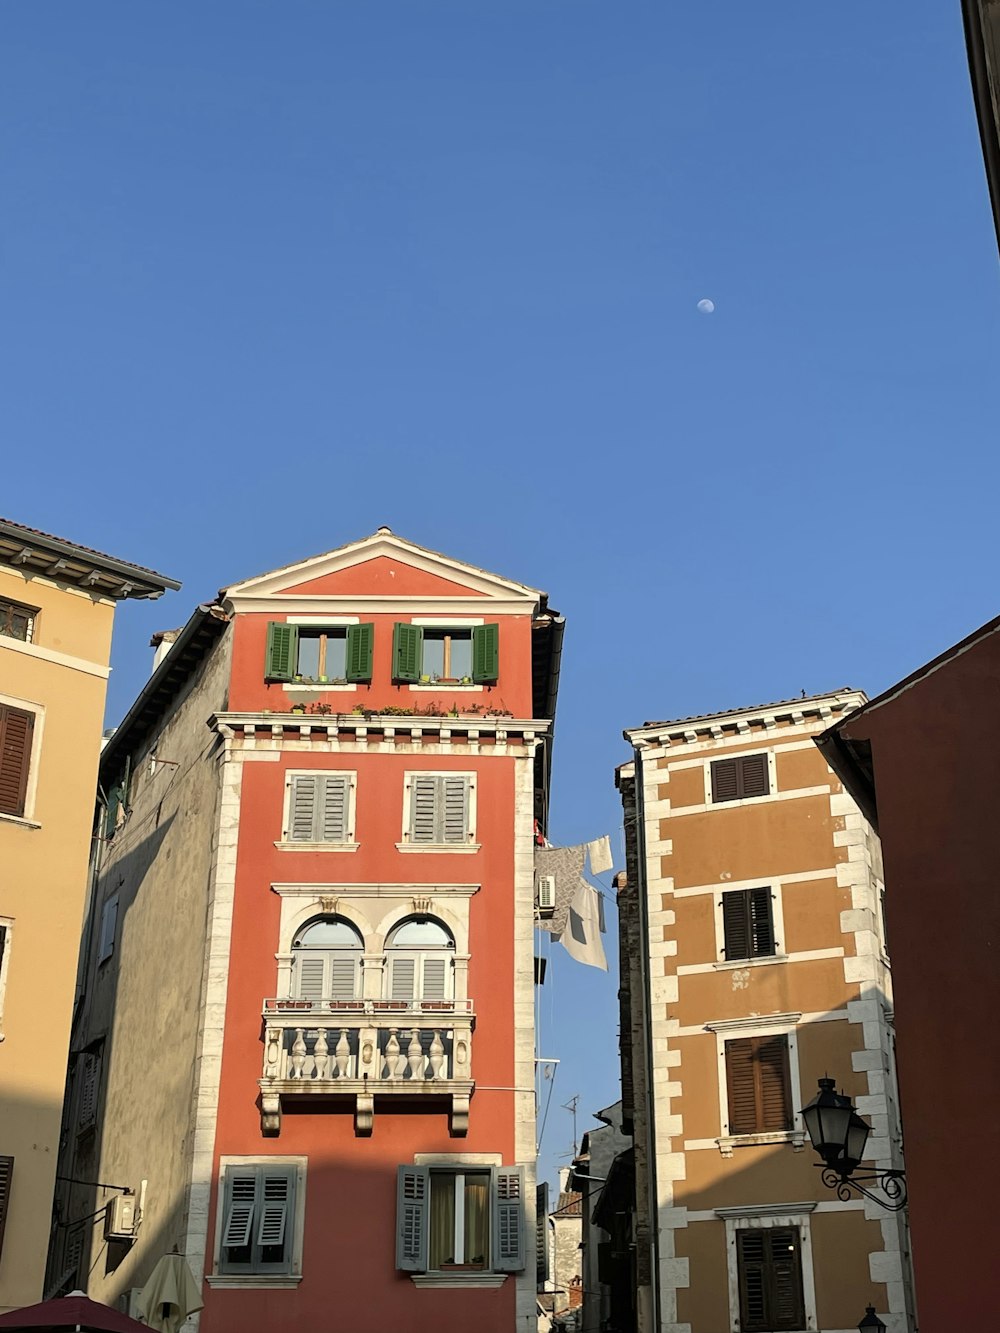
(599, 852)
(582, 936)
(565, 865)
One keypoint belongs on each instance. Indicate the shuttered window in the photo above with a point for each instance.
(456, 654)
(743, 776)
(319, 807)
(439, 808)
(257, 1220)
(317, 654)
(420, 976)
(769, 1267)
(759, 1085)
(90, 1082)
(453, 1217)
(16, 730)
(748, 924)
(6, 1181)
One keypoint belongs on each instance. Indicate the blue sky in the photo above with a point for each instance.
(273, 275)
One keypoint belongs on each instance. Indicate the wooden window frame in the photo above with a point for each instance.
(730, 1029)
(718, 771)
(736, 1049)
(407, 842)
(25, 781)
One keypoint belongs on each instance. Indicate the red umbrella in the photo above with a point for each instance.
(74, 1312)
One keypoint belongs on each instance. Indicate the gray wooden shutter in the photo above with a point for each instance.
(454, 809)
(434, 984)
(281, 657)
(508, 1219)
(485, 654)
(16, 729)
(311, 975)
(423, 808)
(273, 1211)
(343, 977)
(239, 1205)
(412, 1200)
(407, 645)
(735, 925)
(303, 808)
(360, 651)
(6, 1180)
(333, 807)
(402, 978)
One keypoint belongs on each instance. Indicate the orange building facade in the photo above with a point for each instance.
(362, 1131)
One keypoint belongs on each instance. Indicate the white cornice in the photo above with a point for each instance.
(318, 891)
(56, 658)
(767, 1209)
(753, 1022)
(314, 604)
(811, 712)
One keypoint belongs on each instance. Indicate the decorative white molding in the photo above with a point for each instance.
(349, 890)
(56, 658)
(751, 1025)
(457, 1159)
(457, 1280)
(767, 1210)
(317, 846)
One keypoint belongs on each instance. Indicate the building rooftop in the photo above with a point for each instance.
(35, 552)
(802, 702)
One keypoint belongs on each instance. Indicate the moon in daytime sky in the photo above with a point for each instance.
(706, 307)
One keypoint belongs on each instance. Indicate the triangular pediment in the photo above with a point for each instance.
(383, 567)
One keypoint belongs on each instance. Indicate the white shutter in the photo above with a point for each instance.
(402, 978)
(435, 977)
(455, 816)
(333, 808)
(239, 1218)
(343, 977)
(302, 808)
(273, 1211)
(311, 975)
(423, 804)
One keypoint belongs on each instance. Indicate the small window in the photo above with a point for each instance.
(748, 924)
(258, 1219)
(439, 808)
(6, 1180)
(319, 807)
(318, 654)
(109, 924)
(758, 1081)
(89, 1074)
(739, 778)
(460, 1219)
(17, 727)
(327, 963)
(17, 621)
(459, 655)
(769, 1267)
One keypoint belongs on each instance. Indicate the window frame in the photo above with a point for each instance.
(287, 843)
(736, 801)
(329, 954)
(733, 1029)
(298, 1166)
(6, 937)
(420, 954)
(777, 926)
(765, 1217)
(438, 624)
(314, 623)
(406, 843)
(37, 712)
(502, 1204)
(31, 612)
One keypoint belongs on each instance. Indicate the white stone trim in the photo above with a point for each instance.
(352, 796)
(778, 1025)
(524, 1112)
(35, 761)
(56, 658)
(208, 1060)
(824, 1206)
(312, 604)
(262, 1280)
(317, 846)
(334, 622)
(800, 877)
(738, 965)
(790, 794)
(817, 1016)
(777, 927)
(442, 622)
(457, 1159)
(7, 926)
(459, 1280)
(797, 1215)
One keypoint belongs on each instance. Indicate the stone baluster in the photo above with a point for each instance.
(415, 1055)
(392, 1056)
(272, 1052)
(342, 1054)
(321, 1054)
(437, 1054)
(298, 1053)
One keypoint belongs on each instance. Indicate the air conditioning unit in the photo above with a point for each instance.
(119, 1219)
(128, 1303)
(546, 894)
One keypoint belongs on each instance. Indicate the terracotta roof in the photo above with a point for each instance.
(570, 1204)
(37, 552)
(752, 708)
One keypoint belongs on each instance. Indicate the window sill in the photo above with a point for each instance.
(317, 846)
(771, 958)
(262, 1281)
(458, 848)
(18, 819)
(455, 1280)
(322, 686)
(446, 687)
(796, 1137)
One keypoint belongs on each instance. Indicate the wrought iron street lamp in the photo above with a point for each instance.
(871, 1322)
(839, 1135)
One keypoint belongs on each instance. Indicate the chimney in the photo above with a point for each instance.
(161, 642)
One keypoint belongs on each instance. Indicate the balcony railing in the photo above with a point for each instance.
(352, 1052)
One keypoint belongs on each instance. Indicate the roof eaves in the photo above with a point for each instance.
(807, 703)
(30, 550)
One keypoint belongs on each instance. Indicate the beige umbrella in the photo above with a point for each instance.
(170, 1295)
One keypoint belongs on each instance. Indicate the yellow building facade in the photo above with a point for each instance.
(57, 604)
(756, 965)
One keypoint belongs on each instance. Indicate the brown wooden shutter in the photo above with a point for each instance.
(736, 924)
(751, 1263)
(725, 780)
(6, 1177)
(753, 775)
(785, 1296)
(741, 1086)
(773, 1083)
(16, 729)
(761, 923)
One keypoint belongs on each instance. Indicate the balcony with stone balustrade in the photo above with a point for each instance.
(357, 1054)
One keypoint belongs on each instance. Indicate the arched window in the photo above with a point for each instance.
(421, 961)
(327, 964)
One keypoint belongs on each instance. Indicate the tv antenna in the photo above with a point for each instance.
(571, 1106)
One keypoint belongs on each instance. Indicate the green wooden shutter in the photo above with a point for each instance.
(485, 654)
(412, 1197)
(542, 1233)
(16, 728)
(360, 649)
(735, 925)
(508, 1219)
(111, 813)
(407, 650)
(6, 1179)
(282, 651)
